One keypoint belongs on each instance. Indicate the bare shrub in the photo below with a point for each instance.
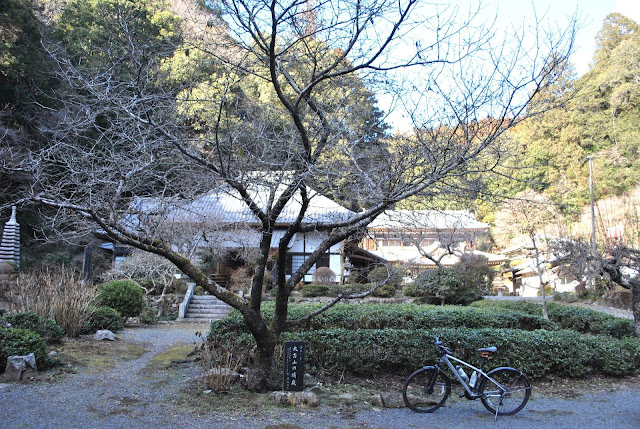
(57, 294)
(324, 275)
(221, 362)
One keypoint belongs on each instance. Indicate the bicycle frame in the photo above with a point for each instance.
(447, 358)
(427, 388)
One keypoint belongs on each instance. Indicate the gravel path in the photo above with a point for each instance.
(122, 396)
(130, 396)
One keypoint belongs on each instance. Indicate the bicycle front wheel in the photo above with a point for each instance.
(509, 396)
(426, 390)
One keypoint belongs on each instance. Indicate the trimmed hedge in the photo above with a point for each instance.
(372, 339)
(22, 342)
(324, 289)
(537, 353)
(579, 319)
(397, 316)
(370, 352)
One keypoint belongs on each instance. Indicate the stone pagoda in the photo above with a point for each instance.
(10, 245)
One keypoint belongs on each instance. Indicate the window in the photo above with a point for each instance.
(323, 261)
(295, 260)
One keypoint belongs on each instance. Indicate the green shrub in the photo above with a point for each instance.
(126, 296)
(148, 316)
(48, 329)
(103, 318)
(317, 289)
(566, 297)
(462, 283)
(579, 319)
(447, 285)
(353, 288)
(385, 291)
(22, 342)
(520, 305)
(390, 275)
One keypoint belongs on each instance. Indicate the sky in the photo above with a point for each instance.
(593, 12)
(516, 13)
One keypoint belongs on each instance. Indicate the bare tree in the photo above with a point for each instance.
(622, 265)
(536, 218)
(617, 259)
(274, 108)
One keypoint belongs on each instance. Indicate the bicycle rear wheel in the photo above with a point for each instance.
(509, 400)
(426, 390)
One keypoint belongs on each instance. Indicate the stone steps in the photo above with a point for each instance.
(205, 308)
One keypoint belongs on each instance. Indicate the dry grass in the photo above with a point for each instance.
(98, 356)
(221, 362)
(54, 294)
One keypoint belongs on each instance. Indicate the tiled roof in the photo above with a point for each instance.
(225, 206)
(428, 219)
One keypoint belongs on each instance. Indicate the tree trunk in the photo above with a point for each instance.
(612, 267)
(635, 307)
(258, 375)
(257, 378)
(545, 314)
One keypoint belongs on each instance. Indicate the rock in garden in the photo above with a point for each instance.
(316, 389)
(348, 397)
(20, 367)
(376, 400)
(387, 400)
(309, 381)
(221, 377)
(104, 334)
(296, 399)
(392, 399)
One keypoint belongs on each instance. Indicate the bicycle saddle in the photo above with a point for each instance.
(488, 349)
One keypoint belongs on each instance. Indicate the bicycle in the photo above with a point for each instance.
(503, 390)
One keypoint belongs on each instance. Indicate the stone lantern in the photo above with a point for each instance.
(10, 245)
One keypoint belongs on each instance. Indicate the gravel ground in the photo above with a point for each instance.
(130, 396)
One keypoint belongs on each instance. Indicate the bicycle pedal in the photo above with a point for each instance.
(460, 394)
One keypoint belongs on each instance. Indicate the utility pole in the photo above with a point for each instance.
(594, 247)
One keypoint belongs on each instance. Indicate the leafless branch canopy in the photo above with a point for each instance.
(281, 96)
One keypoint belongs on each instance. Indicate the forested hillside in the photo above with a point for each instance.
(601, 119)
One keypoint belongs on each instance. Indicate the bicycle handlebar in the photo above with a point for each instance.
(441, 347)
